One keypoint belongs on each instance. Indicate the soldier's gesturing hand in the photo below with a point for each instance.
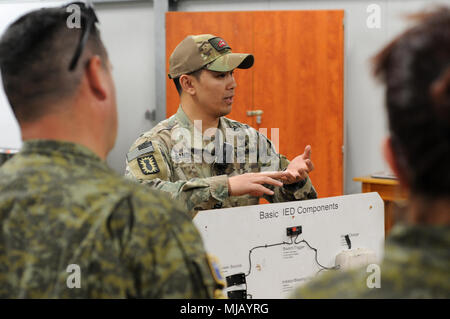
(299, 167)
(252, 183)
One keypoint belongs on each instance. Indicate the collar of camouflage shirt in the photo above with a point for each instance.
(58, 148)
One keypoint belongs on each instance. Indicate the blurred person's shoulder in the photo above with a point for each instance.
(417, 260)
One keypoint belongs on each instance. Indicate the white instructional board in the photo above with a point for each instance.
(253, 239)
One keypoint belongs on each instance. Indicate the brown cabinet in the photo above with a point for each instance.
(390, 192)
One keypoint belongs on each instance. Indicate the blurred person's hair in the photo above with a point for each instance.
(35, 53)
(416, 70)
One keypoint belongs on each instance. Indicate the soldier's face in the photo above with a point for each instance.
(214, 92)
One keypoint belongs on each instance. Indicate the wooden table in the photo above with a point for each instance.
(390, 192)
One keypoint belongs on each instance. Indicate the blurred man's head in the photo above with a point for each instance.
(35, 54)
(201, 67)
(416, 70)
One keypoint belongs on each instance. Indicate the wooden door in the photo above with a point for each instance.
(297, 79)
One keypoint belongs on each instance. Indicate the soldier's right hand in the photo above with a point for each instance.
(252, 183)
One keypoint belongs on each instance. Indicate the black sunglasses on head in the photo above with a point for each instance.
(88, 10)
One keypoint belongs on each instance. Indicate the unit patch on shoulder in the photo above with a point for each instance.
(148, 165)
(146, 162)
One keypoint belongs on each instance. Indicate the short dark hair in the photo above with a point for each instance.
(195, 74)
(416, 70)
(35, 54)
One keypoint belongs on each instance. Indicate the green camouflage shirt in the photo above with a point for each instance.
(61, 205)
(176, 158)
(416, 264)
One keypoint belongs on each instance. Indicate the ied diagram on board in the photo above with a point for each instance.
(292, 232)
(266, 251)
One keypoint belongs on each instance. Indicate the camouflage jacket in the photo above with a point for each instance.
(61, 205)
(416, 264)
(176, 158)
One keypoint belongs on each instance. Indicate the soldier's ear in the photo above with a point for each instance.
(186, 83)
(96, 78)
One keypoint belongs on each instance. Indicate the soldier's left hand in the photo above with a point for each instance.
(299, 167)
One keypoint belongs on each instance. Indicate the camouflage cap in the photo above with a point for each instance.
(196, 51)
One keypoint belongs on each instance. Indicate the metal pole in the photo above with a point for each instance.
(160, 8)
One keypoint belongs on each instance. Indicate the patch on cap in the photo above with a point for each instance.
(219, 44)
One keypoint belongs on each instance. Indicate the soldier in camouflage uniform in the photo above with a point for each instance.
(416, 263)
(70, 226)
(203, 158)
